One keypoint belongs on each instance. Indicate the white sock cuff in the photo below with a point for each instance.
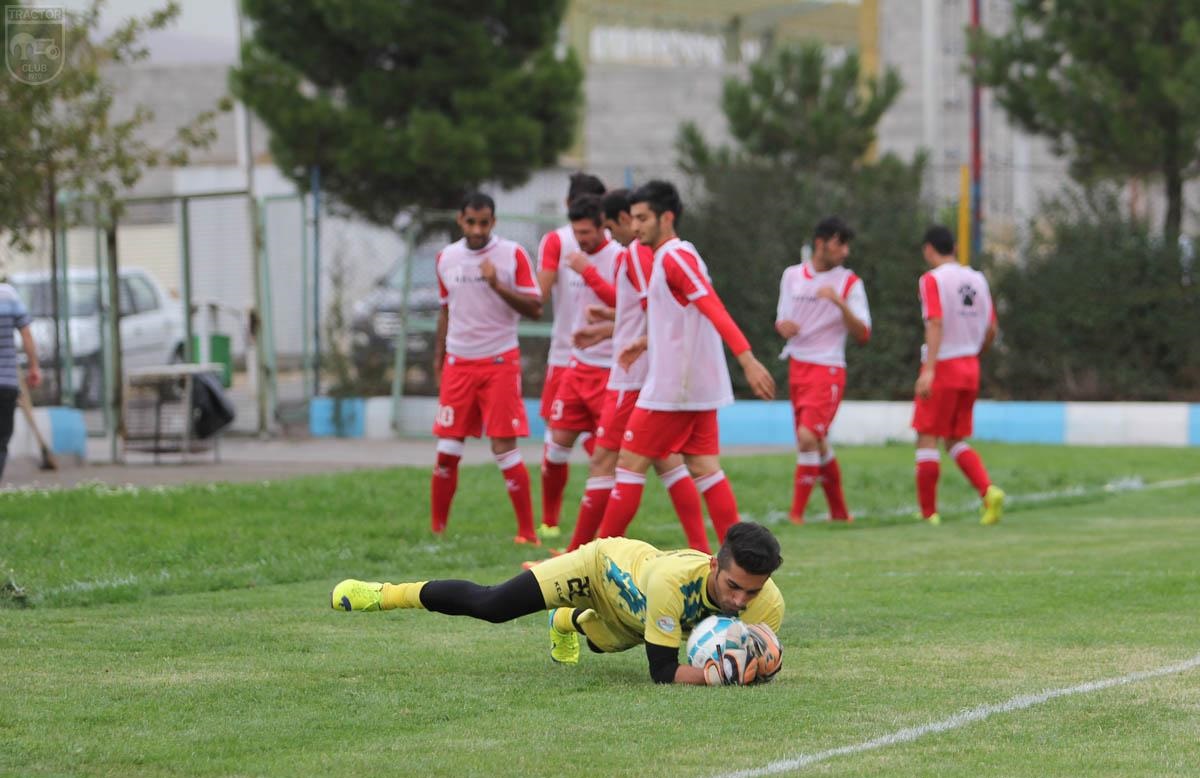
(451, 446)
(808, 458)
(928, 455)
(600, 483)
(509, 459)
(704, 483)
(557, 454)
(630, 477)
(828, 456)
(959, 448)
(547, 437)
(673, 476)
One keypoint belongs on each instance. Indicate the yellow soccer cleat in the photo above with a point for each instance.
(546, 532)
(352, 595)
(564, 646)
(934, 518)
(993, 505)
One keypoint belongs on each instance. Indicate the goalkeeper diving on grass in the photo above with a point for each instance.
(618, 593)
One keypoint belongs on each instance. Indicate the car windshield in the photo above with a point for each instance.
(36, 295)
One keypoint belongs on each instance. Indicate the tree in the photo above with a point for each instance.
(804, 128)
(404, 105)
(1113, 85)
(799, 110)
(62, 134)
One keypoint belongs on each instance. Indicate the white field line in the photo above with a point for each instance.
(960, 719)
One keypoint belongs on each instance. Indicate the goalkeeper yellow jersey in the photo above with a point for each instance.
(644, 594)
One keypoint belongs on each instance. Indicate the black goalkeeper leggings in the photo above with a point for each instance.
(516, 597)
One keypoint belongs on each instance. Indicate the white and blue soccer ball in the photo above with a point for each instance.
(712, 636)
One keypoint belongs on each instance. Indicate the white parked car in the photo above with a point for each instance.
(152, 325)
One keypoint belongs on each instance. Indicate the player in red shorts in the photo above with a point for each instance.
(687, 376)
(960, 324)
(820, 301)
(624, 323)
(563, 286)
(486, 285)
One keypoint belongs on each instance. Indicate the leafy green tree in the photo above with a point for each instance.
(407, 105)
(799, 110)
(62, 134)
(1113, 85)
(804, 128)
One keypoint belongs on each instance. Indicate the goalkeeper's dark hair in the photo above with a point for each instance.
(752, 546)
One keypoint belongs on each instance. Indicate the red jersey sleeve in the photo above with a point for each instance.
(688, 284)
(600, 285)
(524, 279)
(443, 293)
(931, 301)
(549, 252)
(684, 278)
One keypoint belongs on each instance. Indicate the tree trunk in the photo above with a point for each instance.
(1173, 180)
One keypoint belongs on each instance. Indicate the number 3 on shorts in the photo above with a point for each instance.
(556, 410)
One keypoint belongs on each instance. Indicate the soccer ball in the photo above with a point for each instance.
(709, 637)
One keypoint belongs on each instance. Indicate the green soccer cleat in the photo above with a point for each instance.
(546, 532)
(352, 595)
(564, 646)
(993, 505)
(934, 518)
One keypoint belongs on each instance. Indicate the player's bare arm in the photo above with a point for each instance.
(787, 328)
(33, 374)
(439, 343)
(527, 305)
(933, 343)
(632, 352)
(592, 334)
(546, 280)
(857, 327)
(596, 313)
(989, 337)
(757, 376)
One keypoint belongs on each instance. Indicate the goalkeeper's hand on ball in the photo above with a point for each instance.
(763, 645)
(732, 667)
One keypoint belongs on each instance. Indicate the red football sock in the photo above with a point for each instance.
(831, 482)
(444, 483)
(972, 466)
(516, 479)
(623, 503)
(686, 500)
(591, 509)
(555, 472)
(808, 470)
(718, 496)
(928, 470)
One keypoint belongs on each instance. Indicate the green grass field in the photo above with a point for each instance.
(187, 631)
